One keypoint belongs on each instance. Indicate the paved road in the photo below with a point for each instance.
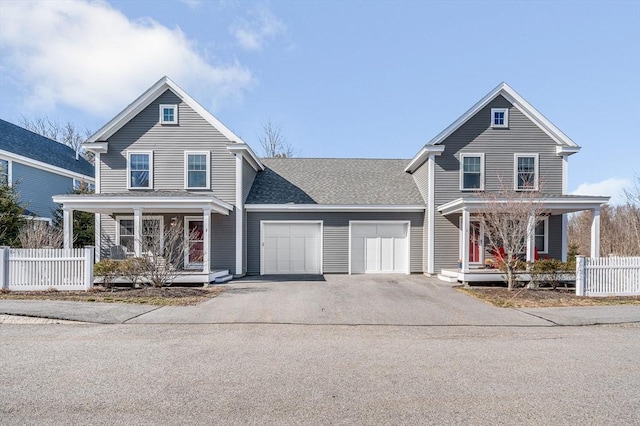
(300, 374)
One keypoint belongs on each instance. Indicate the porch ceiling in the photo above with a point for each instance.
(554, 204)
(152, 202)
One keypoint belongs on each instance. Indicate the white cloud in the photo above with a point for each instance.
(253, 34)
(612, 187)
(192, 4)
(90, 56)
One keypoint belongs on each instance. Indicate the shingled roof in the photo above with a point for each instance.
(334, 181)
(23, 142)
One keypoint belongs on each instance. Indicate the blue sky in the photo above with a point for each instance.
(341, 79)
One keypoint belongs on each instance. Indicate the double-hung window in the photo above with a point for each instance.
(542, 235)
(196, 170)
(526, 172)
(140, 169)
(472, 172)
(5, 173)
(499, 117)
(151, 238)
(168, 114)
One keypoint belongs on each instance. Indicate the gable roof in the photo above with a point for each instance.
(147, 98)
(40, 151)
(335, 181)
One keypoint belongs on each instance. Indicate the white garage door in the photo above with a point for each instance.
(379, 247)
(291, 248)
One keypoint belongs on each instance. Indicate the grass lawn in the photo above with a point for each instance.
(542, 298)
(165, 296)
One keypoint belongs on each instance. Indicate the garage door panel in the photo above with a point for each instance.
(379, 247)
(292, 248)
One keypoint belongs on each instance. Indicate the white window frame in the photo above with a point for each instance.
(207, 154)
(506, 118)
(174, 107)
(544, 221)
(150, 154)
(9, 171)
(536, 157)
(144, 217)
(462, 157)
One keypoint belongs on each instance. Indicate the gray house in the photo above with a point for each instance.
(39, 168)
(165, 159)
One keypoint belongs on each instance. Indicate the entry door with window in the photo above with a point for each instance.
(476, 244)
(194, 239)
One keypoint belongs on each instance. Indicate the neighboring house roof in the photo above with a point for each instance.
(334, 181)
(503, 89)
(28, 145)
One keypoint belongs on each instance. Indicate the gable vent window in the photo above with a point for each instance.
(499, 117)
(168, 114)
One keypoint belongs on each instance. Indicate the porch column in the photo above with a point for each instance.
(67, 225)
(465, 241)
(595, 232)
(137, 232)
(531, 241)
(206, 244)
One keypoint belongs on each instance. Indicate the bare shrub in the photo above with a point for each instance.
(37, 234)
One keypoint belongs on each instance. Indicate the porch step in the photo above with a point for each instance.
(447, 278)
(451, 273)
(223, 279)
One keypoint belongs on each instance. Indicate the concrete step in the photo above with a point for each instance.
(223, 279)
(447, 279)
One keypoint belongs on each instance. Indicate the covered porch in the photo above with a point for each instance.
(132, 221)
(471, 267)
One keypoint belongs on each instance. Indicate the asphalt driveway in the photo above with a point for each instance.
(342, 299)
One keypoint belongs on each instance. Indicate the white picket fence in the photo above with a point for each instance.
(44, 269)
(607, 276)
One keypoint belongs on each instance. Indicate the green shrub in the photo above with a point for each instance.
(108, 269)
(549, 271)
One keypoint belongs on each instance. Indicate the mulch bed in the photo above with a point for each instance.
(542, 298)
(165, 296)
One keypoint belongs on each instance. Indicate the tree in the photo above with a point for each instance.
(11, 215)
(273, 143)
(509, 219)
(67, 133)
(83, 222)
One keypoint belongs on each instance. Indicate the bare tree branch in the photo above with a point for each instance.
(273, 143)
(67, 133)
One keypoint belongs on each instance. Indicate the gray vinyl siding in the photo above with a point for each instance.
(36, 187)
(421, 178)
(168, 143)
(223, 243)
(335, 236)
(248, 175)
(499, 146)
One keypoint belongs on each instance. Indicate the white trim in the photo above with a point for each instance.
(239, 214)
(138, 240)
(174, 107)
(519, 155)
(43, 166)
(247, 154)
(150, 154)
(188, 265)
(97, 147)
(555, 205)
(9, 171)
(422, 156)
(97, 235)
(150, 95)
(471, 155)
(431, 217)
(505, 125)
(331, 208)
(207, 155)
(96, 167)
(518, 101)
(407, 271)
(67, 226)
(291, 222)
(566, 151)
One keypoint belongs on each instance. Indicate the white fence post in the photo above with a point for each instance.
(4, 267)
(89, 253)
(580, 276)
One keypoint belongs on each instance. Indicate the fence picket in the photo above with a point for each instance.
(608, 276)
